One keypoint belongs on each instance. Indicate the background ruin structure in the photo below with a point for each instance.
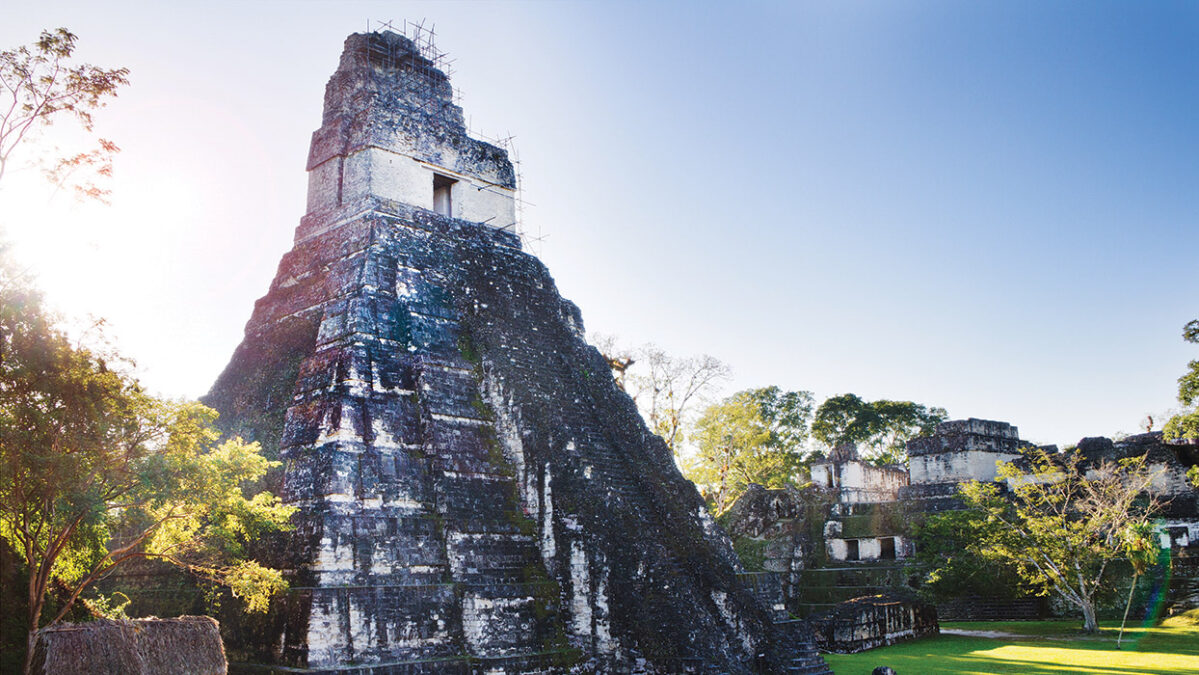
(849, 534)
(475, 494)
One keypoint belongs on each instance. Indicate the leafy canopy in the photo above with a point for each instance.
(1061, 527)
(753, 436)
(94, 472)
(39, 85)
(883, 427)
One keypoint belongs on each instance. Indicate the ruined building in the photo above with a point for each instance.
(960, 451)
(475, 494)
(849, 533)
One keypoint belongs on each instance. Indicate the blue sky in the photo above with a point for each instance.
(989, 207)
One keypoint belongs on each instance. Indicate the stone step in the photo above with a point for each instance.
(500, 576)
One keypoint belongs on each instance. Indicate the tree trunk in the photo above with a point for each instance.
(27, 668)
(1089, 623)
(35, 614)
(1126, 606)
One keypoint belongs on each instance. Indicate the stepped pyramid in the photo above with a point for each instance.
(475, 494)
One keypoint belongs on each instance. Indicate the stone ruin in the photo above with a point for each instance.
(875, 621)
(848, 534)
(475, 494)
(960, 451)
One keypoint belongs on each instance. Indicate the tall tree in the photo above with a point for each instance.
(787, 414)
(40, 85)
(666, 388)
(1062, 527)
(1185, 425)
(753, 436)
(95, 473)
(883, 427)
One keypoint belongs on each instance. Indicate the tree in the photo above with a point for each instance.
(42, 86)
(95, 473)
(787, 414)
(753, 436)
(884, 427)
(1185, 425)
(666, 388)
(1139, 545)
(619, 359)
(944, 546)
(1061, 527)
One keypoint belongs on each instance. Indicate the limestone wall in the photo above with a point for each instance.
(957, 467)
(858, 481)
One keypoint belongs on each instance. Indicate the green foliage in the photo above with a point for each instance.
(97, 473)
(945, 545)
(883, 427)
(1185, 425)
(786, 413)
(752, 552)
(108, 606)
(753, 436)
(1061, 529)
(254, 584)
(841, 419)
(41, 86)
(466, 345)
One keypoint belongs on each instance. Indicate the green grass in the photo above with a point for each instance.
(1040, 648)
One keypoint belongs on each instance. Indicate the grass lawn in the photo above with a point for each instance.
(1039, 648)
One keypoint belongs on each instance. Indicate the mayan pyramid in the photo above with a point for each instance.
(475, 494)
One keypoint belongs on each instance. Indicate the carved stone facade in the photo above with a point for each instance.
(875, 621)
(475, 494)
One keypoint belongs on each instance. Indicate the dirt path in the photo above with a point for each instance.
(981, 633)
(998, 634)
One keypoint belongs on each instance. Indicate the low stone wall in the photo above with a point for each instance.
(994, 609)
(874, 621)
(188, 645)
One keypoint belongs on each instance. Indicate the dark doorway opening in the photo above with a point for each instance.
(888, 548)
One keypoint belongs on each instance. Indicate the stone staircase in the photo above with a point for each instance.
(794, 635)
(509, 605)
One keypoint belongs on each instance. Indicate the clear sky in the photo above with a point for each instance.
(990, 207)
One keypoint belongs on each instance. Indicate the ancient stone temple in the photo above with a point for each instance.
(475, 494)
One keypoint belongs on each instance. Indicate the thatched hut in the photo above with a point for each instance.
(188, 645)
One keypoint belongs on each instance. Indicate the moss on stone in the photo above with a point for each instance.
(752, 552)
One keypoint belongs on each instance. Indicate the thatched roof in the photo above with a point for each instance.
(188, 645)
